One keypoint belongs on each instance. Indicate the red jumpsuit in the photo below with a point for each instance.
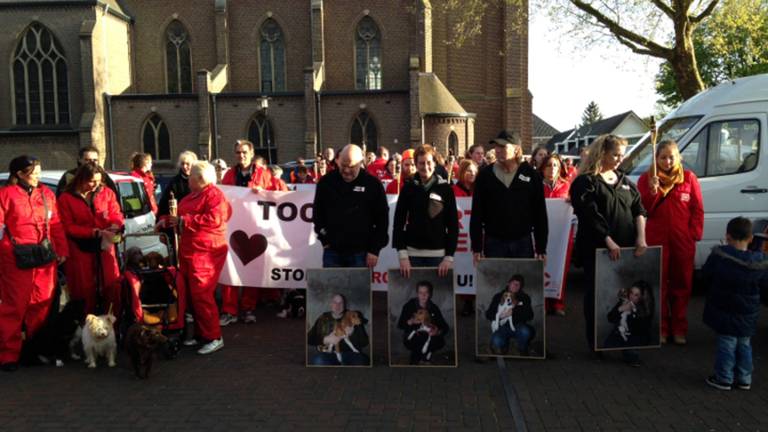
(149, 187)
(25, 295)
(80, 220)
(560, 190)
(394, 187)
(675, 222)
(202, 253)
(377, 168)
(460, 192)
(260, 177)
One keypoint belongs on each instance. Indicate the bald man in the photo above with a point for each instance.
(351, 214)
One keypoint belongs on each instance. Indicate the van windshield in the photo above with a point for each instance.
(639, 160)
(133, 198)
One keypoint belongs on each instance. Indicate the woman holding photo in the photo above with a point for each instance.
(611, 215)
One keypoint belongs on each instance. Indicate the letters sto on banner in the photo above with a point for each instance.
(272, 242)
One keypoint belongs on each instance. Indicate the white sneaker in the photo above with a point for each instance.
(283, 313)
(212, 346)
(226, 319)
(189, 342)
(250, 317)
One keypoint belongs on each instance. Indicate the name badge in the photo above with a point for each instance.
(50, 214)
(524, 178)
(359, 189)
(685, 197)
(625, 187)
(436, 197)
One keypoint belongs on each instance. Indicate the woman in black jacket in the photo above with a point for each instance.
(422, 339)
(611, 215)
(632, 317)
(322, 339)
(426, 225)
(521, 313)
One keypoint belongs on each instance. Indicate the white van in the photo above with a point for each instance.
(722, 133)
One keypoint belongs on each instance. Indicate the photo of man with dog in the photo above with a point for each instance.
(337, 318)
(422, 318)
(510, 308)
(627, 306)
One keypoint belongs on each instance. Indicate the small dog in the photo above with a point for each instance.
(623, 325)
(140, 343)
(426, 326)
(506, 303)
(343, 329)
(56, 341)
(99, 339)
(294, 304)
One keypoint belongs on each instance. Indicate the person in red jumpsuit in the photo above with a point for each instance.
(202, 221)
(246, 173)
(557, 185)
(92, 219)
(675, 222)
(26, 294)
(141, 165)
(408, 170)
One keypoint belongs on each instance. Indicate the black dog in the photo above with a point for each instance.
(140, 342)
(53, 343)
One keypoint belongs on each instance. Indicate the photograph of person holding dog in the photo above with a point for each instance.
(510, 312)
(338, 309)
(423, 325)
(632, 317)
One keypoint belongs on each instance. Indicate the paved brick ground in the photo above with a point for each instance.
(259, 382)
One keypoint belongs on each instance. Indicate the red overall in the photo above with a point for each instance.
(25, 295)
(202, 253)
(149, 187)
(80, 220)
(395, 186)
(676, 223)
(377, 168)
(560, 190)
(260, 177)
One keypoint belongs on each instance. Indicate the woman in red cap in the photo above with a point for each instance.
(675, 221)
(202, 220)
(407, 171)
(28, 216)
(92, 220)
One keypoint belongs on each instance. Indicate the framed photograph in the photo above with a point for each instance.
(421, 312)
(627, 300)
(510, 320)
(338, 319)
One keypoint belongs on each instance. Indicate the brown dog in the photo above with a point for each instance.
(347, 323)
(140, 343)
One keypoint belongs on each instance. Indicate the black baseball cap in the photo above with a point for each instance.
(506, 137)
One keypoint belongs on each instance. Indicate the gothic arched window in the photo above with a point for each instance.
(178, 60)
(272, 57)
(155, 138)
(262, 135)
(367, 55)
(364, 132)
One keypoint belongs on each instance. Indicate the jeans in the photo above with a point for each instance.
(425, 261)
(734, 357)
(347, 359)
(498, 248)
(331, 258)
(523, 335)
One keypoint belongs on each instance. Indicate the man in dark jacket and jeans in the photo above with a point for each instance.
(736, 277)
(350, 213)
(508, 206)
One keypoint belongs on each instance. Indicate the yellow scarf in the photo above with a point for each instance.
(668, 181)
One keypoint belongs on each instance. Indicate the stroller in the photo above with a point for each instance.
(150, 289)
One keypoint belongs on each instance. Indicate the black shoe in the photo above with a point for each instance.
(713, 382)
(9, 367)
(743, 386)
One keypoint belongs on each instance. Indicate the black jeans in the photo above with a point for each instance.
(499, 248)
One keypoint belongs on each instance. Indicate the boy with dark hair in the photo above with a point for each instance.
(736, 277)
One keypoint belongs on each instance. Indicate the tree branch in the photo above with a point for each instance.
(667, 9)
(652, 48)
(706, 12)
(638, 50)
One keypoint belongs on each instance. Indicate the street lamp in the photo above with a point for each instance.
(263, 107)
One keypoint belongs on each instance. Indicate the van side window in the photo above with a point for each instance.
(722, 148)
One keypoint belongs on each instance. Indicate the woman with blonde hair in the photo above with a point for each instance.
(611, 215)
(676, 222)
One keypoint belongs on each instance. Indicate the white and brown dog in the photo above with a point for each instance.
(425, 325)
(506, 303)
(99, 339)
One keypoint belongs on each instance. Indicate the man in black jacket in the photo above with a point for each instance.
(351, 214)
(508, 206)
(85, 155)
(521, 314)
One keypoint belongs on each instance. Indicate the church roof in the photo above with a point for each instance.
(435, 98)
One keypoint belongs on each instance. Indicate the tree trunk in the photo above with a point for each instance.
(683, 62)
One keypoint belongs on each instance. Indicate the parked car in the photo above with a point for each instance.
(722, 133)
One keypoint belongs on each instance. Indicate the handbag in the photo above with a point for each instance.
(29, 256)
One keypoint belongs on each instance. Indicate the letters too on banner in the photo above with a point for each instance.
(272, 242)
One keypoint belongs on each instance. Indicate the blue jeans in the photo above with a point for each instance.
(523, 335)
(425, 261)
(331, 258)
(499, 248)
(734, 357)
(347, 359)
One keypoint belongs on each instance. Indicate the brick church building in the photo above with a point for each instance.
(293, 76)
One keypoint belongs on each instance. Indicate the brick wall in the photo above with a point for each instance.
(56, 152)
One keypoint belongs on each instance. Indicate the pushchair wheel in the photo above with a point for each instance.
(172, 348)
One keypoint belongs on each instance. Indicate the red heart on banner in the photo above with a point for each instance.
(247, 248)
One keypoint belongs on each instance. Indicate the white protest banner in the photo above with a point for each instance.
(272, 241)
